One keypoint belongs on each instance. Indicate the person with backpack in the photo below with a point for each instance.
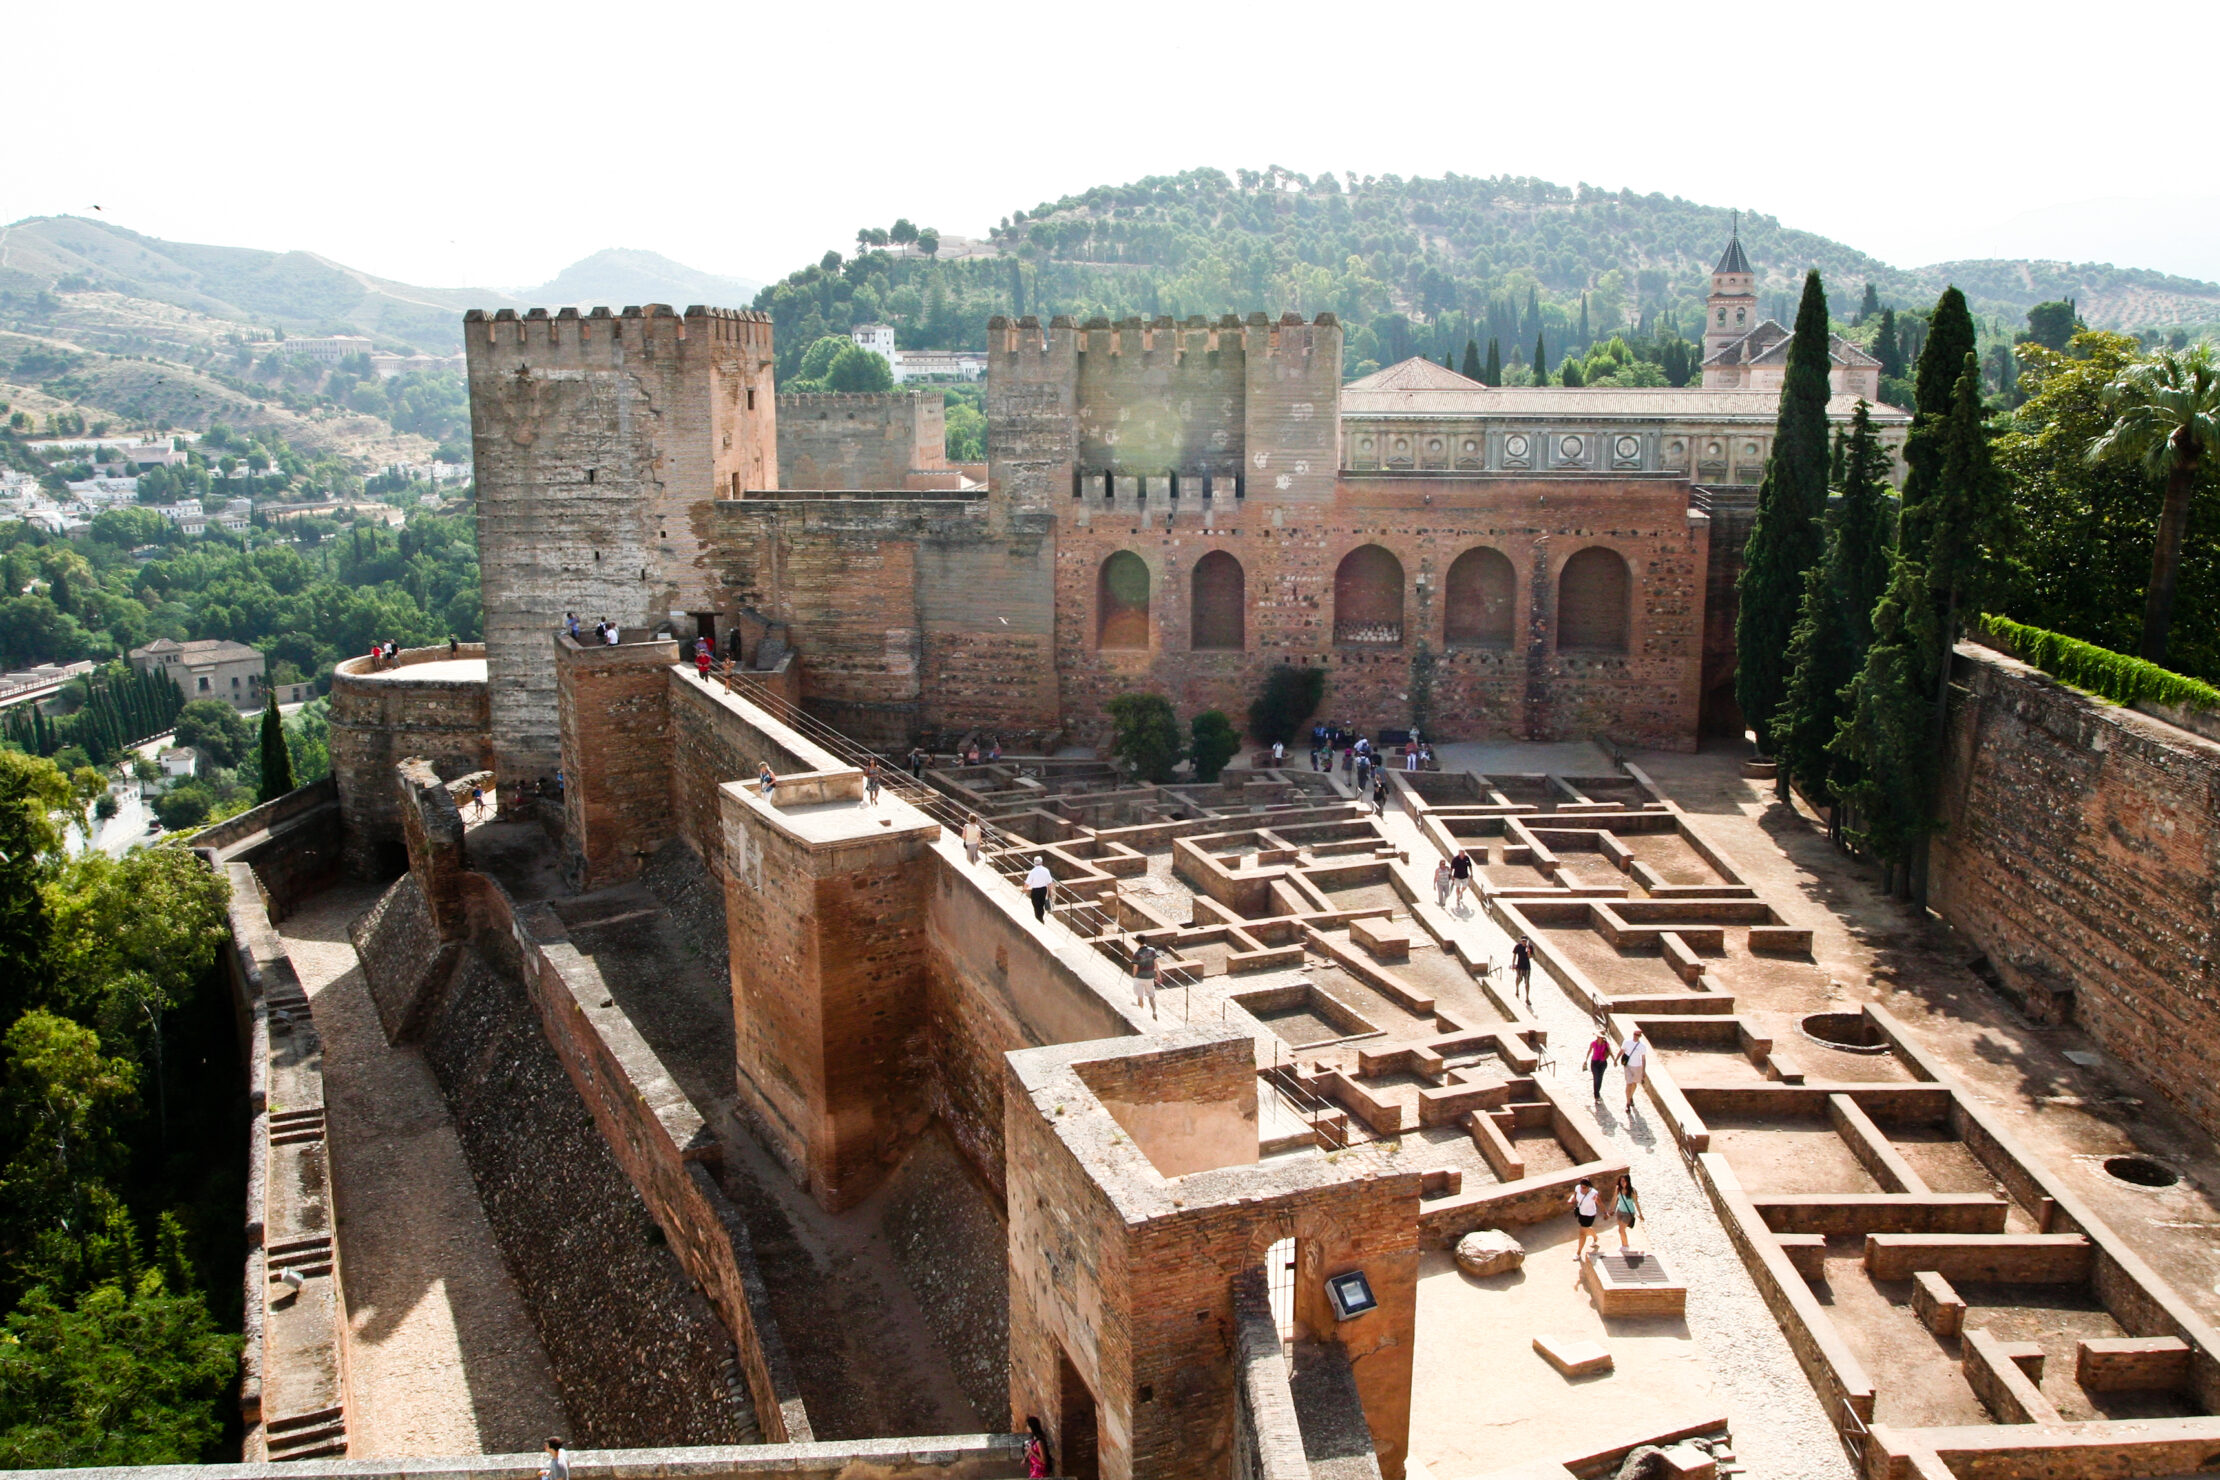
(1379, 795)
(1145, 959)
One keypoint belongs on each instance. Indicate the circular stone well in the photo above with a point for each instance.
(1848, 1032)
(2141, 1171)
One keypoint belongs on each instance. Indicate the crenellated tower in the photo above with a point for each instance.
(600, 442)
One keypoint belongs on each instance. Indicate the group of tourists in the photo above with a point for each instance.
(1360, 760)
(1587, 1206)
(605, 633)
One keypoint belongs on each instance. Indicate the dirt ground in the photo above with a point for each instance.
(1870, 948)
(442, 1357)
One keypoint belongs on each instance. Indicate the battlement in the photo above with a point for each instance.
(537, 329)
(859, 400)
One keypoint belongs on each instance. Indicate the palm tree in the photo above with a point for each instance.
(2165, 415)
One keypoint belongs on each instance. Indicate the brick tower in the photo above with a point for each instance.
(600, 442)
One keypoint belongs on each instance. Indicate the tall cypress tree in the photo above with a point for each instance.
(1888, 347)
(1950, 338)
(1471, 369)
(1834, 625)
(1586, 338)
(1786, 539)
(1493, 373)
(1541, 363)
(277, 761)
(1888, 740)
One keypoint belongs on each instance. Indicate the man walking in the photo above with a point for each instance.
(1636, 1061)
(1144, 977)
(1522, 968)
(1379, 795)
(1460, 874)
(1038, 883)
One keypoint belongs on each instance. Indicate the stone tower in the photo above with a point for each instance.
(1731, 311)
(600, 442)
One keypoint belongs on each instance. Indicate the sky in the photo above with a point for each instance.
(491, 144)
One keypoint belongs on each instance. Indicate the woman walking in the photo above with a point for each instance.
(1627, 1208)
(1522, 968)
(1586, 1204)
(1441, 883)
(1599, 1059)
(871, 781)
(974, 835)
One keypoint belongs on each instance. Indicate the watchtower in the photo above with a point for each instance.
(600, 440)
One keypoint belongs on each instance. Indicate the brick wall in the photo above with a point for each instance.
(2080, 846)
(382, 717)
(613, 709)
(860, 441)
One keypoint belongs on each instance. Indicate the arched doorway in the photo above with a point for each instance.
(1477, 600)
(1593, 591)
(1368, 598)
(1219, 590)
(1122, 603)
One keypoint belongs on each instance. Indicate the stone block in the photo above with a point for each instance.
(1489, 1251)
(1687, 1462)
(1937, 1305)
(1573, 1356)
(1807, 1253)
(2126, 1364)
(1382, 937)
(1634, 1284)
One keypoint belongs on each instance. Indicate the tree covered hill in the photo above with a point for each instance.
(1411, 266)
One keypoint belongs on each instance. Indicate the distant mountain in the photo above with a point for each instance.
(618, 276)
(298, 292)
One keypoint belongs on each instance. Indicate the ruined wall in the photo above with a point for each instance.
(1291, 552)
(905, 614)
(861, 441)
(382, 716)
(2080, 849)
(600, 444)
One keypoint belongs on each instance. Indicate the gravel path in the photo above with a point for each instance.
(1780, 1430)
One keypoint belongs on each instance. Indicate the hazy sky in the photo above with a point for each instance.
(473, 143)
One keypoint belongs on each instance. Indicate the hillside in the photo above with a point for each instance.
(1419, 265)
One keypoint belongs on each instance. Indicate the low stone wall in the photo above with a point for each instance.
(2079, 846)
(294, 843)
(293, 1381)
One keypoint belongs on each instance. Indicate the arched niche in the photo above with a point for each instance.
(1593, 594)
(1122, 603)
(1368, 598)
(1477, 600)
(1219, 604)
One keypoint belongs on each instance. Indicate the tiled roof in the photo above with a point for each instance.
(204, 650)
(1612, 403)
(1415, 374)
(1768, 343)
(1732, 259)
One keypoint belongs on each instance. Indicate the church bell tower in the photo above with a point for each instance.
(1731, 311)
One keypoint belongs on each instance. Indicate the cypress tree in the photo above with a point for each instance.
(1834, 624)
(1888, 740)
(277, 761)
(1786, 538)
(1950, 338)
(1888, 347)
(1834, 461)
(1569, 373)
(1472, 370)
(1586, 338)
(1493, 373)
(1541, 363)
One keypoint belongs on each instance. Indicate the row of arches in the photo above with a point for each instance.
(1479, 594)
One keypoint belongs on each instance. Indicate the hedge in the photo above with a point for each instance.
(2122, 679)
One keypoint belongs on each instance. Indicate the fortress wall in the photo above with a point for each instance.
(293, 843)
(860, 441)
(905, 614)
(613, 712)
(384, 716)
(2080, 848)
(1290, 555)
(716, 738)
(600, 445)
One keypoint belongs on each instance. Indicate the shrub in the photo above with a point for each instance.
(1212, 741)
(1145, 735)
(185, 806)
(2115, 676)
(1291, 695)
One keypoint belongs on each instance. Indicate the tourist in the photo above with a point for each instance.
(1635, 1060)
(1441, 883)
(1460, 872)
(570, 625)
(1522, 968)
(974, 835)
(765, 782)
(1379, 794)
(917, 761)
(477, 800)
(1279, 752)
(559, 783)
(1144, 977)
(1627, 1207)
(1348, 760)
(1599, 1059)
(1039, 1459)
(453, 647)
(994, 749)
(1586, 1203)
(1038, 883)
(558, 1462)
(1410, 757)
(871, 782)
(1426, 757)
(609, 633)
(702, 661)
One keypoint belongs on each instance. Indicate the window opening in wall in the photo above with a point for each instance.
(1174, 480)
(1209, 488)
(1110, 485)
(751, 398)
(590, 474)
(1279, 1284)
(1122, 601)
(1240, 485)
(1078, 484)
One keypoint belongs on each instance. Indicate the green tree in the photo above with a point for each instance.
(1473, 370)
(2052, 325)
(858, 369)
(185, 805)
(215, 729)
(1212, 741)
(1888, 743)
(1834, 624)
(277, 761)
(1492, 373)
(2165, 417)
(1291, 694)
(32, 793)
(1950, 338)
(1541, 362)
(1785, 538)
(1144, 736)
(70, 1102)
(1569, 373)
(818, 358)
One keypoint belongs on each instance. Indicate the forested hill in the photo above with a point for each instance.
(1411, 266)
